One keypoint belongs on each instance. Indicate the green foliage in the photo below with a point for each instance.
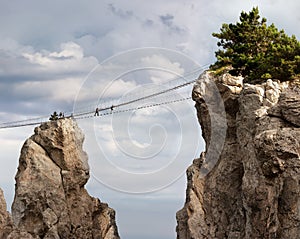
(54, 116)
(257, 51)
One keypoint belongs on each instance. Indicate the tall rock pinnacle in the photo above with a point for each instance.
(253, 190)
(50, 198)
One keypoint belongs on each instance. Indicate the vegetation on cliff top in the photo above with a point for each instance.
(257, 51)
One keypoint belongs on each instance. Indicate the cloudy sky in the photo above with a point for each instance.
(76, 55)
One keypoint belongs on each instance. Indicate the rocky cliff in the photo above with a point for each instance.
(252, 190)
(50, 198)
(5, 218)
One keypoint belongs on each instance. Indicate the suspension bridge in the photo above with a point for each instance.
(118, 108)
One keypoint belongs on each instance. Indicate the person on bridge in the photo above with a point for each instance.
(112, 108)
(96, 112)
(61, 115)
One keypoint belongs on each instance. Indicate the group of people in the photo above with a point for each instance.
(61, 115)
(97, 110)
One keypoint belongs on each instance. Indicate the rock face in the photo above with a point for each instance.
(50, 199)
(5, 218)
(253, 189)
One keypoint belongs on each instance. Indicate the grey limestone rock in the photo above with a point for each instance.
(253, 190)
(50, 198)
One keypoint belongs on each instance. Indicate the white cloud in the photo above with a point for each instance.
(119, 87)
(69, 59)
(165, 69)
(69, 49)
(59, 89)
(47, 51)
(32, 78)
(102, 90)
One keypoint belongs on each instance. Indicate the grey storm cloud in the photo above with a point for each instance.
(168, 20)
(119, 12)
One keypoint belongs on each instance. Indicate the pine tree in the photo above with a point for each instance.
(257, 51)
